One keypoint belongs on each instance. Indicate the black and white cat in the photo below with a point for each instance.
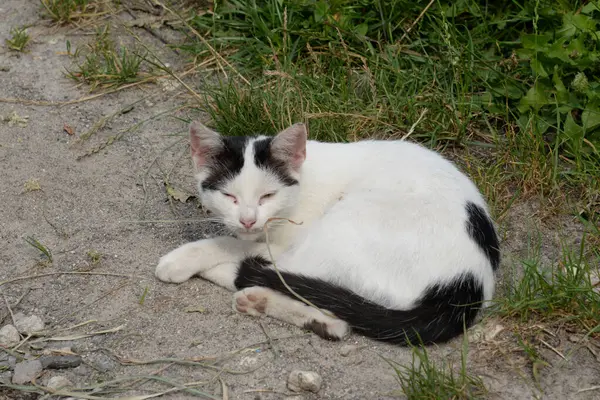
(394, 242)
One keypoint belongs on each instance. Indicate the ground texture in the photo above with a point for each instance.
(98, 207)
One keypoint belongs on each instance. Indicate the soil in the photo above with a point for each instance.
(101, 204)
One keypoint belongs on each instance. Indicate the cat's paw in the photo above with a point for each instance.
(178, 265)
(329, 328)
(252, 301)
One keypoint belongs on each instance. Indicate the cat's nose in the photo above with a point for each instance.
(248, 223)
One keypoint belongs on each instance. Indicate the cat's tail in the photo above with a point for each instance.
(439, 315)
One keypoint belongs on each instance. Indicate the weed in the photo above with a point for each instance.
(66, 11)
(18, 40)
(94, 256)
(143, 297)
(423, 379)
(106, 65)
(39, 246)
(566, 292)
(32, 185)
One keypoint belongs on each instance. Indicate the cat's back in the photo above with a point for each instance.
(393, 167)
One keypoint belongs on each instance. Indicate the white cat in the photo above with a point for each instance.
(394, 242)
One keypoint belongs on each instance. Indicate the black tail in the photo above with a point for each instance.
(438, 316)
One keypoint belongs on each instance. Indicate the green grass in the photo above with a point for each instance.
(67, 11)
(566, 292)
(102, 64)
(33, 242)
(19, 39)
(424, 379)
(515, 80)
(94, 256)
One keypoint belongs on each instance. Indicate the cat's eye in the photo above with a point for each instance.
(266, 196)
(230, 196)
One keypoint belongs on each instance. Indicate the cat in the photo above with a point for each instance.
(385, 238)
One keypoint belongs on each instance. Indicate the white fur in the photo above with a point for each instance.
(385, 219)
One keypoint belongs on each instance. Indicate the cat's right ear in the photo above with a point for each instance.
(204, 143)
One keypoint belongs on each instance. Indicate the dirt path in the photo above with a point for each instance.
(97, 204)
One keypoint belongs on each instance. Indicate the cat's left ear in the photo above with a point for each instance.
(204, 143)
(290, 145)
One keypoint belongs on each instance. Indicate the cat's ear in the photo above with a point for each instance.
(290, 145)
(204, 143)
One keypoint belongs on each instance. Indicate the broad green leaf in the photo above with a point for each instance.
(537, 97)
(559, 50)
(591, 118)
(568, 29)
(584, 22)
(576, 47)
(538, 68)
(483, 100)
(590, 8)
(536, 42)
(320, 10)
(576, 22)
(362, 29)
(562, 94)
(573, 133)
(542, 125)
(507, 90)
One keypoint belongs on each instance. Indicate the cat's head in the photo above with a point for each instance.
(247, 180)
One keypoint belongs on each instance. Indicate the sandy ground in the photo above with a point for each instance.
(99, 203)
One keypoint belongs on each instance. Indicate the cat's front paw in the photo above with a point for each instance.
(178, 266)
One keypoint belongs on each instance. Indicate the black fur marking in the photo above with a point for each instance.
(227, 163)
(320, 329)
(264, 159)
(481, 230)
(437, 317)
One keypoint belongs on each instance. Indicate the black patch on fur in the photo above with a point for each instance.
(438, 316)
(227, 163)
(320, 329)
(481, 230)
(264, 159)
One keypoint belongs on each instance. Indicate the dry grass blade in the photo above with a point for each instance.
(188, 362)
(80, 336)
(22, 278)
(292, 291)
(97, 389)
(416, 20)
(27, 102)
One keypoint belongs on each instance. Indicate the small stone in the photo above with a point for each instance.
(104, 363)
(348, 349)
(29, 324)
(9, 336)
(60, 362)
(304, 381)
(5, 377)
(25, 371)
(57, 382)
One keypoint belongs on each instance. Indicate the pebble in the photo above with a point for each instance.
(5, 377)
(9, 336)
(60, 362)
(304, 381)
(104, 363)
(57, 382)
(25, 371)
(30, 324)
